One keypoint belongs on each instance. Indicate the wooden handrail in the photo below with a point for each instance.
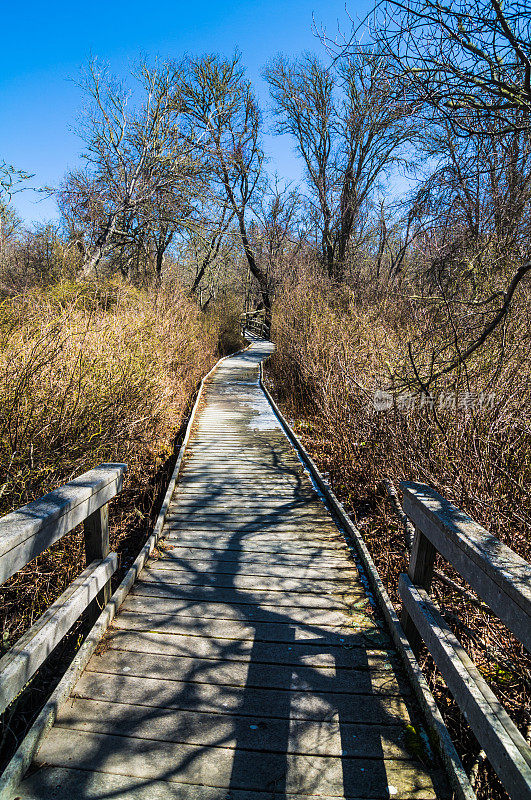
(500, 576)
(257, 322)
(26, 533)
(503, 580)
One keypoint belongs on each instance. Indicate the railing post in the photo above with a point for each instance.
(97, 547)
(420, 572)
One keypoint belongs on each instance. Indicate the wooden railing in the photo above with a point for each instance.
(503, 580)
(32, 529)
(256, 322)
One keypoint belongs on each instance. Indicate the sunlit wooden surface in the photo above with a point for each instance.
(247, 662)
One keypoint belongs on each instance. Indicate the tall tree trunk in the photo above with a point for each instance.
(259, 275)
(89, 268)
(159, 263)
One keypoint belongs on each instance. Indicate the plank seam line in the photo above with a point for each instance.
(211, 712)
(399, 693)
(215, 746)
(286, 664)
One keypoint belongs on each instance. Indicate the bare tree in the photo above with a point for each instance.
(461, 56)
(303, 94)
(209, 236)
(478, 195)
(11, 181)
(224, 122)
(349, 123)
(135, 157)
(278, 231)
(463, 67)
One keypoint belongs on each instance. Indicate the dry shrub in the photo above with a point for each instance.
(101, 376)
(223, 319)
(91, 374)
(332, 354)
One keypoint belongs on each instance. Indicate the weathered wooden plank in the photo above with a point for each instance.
(256, 462)
(246, 549)
(32, 649)
(276, 631)
(287, 510)
(247, 543)
(217, 507)
(257, 526)
(29, 530)
(244, 489)
(238, 673)
(247, 546)
(497, 574)
(327, 738)
(241, 545)
(359, 655)
(253, 582)
(260, 524)
(243, 495)
(184, 608)
(56, 783)
(221, 563)
(250, 455)
(145, 758)
(242, 482)
(202, 466)
(253, 443)
(291, 538)
(505, 746)
(286, 566)
(286, 501)
(343, 601)
(380, 708)
(230, 561)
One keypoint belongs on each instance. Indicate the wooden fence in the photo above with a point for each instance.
(32, 529)
(256, 322)
(503, 580)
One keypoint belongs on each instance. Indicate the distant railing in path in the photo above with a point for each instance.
(256, 322)
(503, 580)
(32, 529)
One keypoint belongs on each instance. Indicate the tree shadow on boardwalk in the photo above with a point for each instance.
(216, 683)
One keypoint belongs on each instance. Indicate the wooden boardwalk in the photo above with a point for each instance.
(245, 664)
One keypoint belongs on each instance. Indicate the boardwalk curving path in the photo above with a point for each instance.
(246, 663)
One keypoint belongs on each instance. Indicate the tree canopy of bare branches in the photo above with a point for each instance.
(349, 123)
(224, 121)
(138, 162)
(461, 56)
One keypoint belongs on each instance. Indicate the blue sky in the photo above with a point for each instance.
(49, 42)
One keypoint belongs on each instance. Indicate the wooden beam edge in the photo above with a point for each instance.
(30, 548)
(9, 541)
(513, 755)
(52, 626)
